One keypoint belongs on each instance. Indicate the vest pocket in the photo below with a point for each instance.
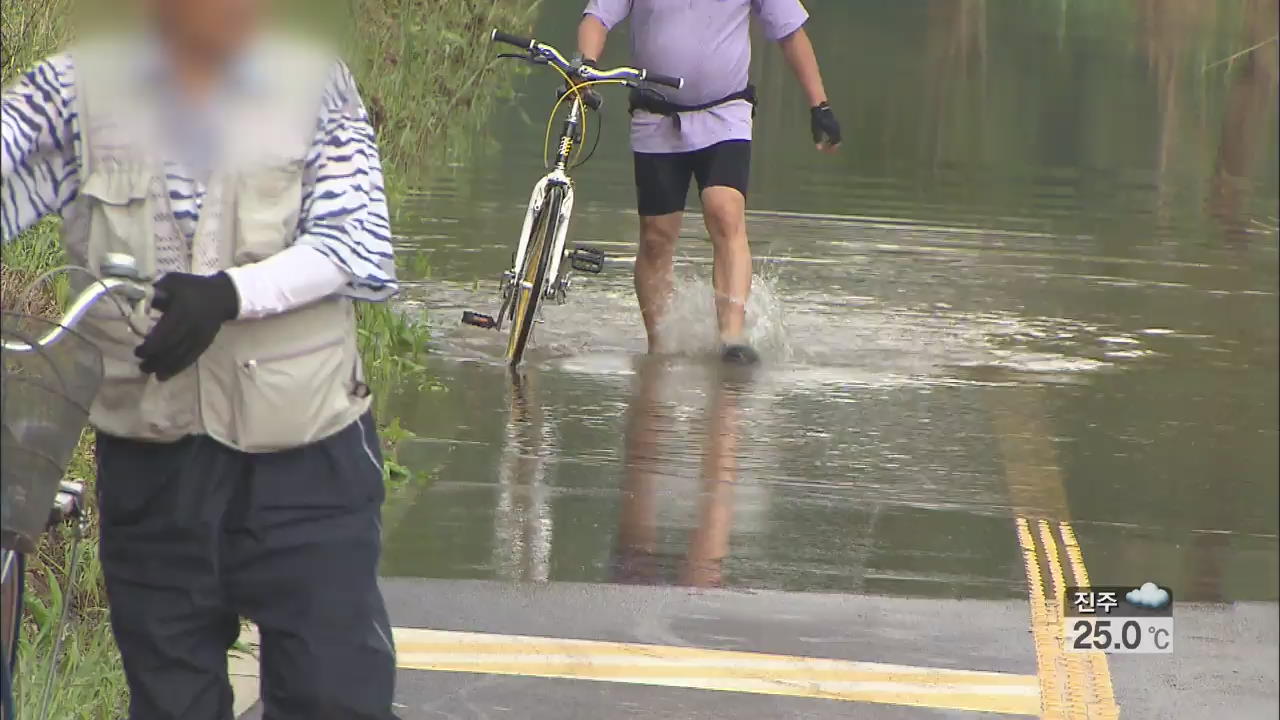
(284, 397)
(268, 203)
(120, 220)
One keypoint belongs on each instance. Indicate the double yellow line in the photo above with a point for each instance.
(1073, 685)
(721, 670)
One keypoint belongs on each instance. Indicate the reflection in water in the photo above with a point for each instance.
(1249, 102)
(650, 426)
(956, 45)
(1167, 28)
(522, 516)
(1169, 33)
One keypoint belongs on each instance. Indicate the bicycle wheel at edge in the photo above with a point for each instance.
(11, 610)
(537, 260)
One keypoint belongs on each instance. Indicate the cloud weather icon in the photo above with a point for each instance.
(1149, 596)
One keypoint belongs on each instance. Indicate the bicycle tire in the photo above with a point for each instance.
(11, 626)
(537, 260)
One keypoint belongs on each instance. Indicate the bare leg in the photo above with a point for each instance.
(654, 259)
(725, 211)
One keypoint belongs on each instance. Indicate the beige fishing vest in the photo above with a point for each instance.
(264, 385)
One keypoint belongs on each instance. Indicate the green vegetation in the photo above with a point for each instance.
(420, 67)
(32, 29)
(38, 251)
(424, 76)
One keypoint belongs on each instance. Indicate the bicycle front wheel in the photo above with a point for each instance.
(532, 277)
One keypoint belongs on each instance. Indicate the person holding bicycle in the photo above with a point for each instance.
(701, 132)
(239, 470)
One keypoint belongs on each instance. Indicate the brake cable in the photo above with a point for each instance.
(594, 145)
(573, 89)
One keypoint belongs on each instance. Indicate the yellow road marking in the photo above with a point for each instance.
(1072, 685)
(1100, 670)
(1055, 561)
(723, 670)
(1073, 664)
(1048, 651)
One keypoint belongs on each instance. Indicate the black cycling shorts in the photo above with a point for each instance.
(662, 179)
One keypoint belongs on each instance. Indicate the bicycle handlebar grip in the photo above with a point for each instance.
(520, 42)
(660, 79)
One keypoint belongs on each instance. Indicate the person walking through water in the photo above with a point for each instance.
(701, 132)
(239, 470)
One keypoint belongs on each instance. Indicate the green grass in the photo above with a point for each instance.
(393, 345)
(89, 683)
(31, 29)
(424, 72)
(427, 78)
(22, 262)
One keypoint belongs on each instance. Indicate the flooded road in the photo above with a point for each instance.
(1040, 280)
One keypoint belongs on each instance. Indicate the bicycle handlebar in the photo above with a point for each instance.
(130, 288)
(550, 54)
(520, 42)
(660, 79)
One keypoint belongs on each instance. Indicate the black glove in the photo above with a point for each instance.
(590, 97)
(194, 307)
(825, 127)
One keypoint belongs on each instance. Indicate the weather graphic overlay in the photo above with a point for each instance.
(1121, 619)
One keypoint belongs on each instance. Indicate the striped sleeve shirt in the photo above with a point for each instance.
(344, 206)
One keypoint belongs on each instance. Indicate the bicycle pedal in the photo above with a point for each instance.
(587, 259)
(480, 320)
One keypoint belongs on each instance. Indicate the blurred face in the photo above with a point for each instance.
(209, 27)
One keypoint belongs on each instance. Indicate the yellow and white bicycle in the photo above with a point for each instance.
(537, 269)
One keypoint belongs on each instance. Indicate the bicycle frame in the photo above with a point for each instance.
(558, 177)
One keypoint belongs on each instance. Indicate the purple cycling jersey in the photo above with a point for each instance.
(706, 42)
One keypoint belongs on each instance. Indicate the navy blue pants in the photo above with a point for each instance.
(196, 535)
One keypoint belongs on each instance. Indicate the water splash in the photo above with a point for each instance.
(689, 326)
